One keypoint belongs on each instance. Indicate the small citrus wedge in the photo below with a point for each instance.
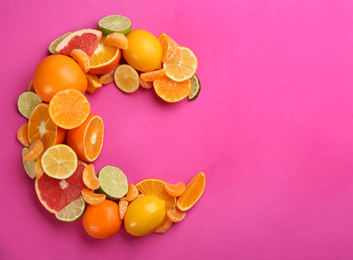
(55, 43)
(166, 224)
(169, 47)
(107, 78)
(170, 90)
(145, 84)
(89, 177)
(182, 65)
(126, 78)
(176, 215)
(175, 190)
(132, 192)
(82, 59)
(192, 193)
(118, 40)
(35, 151)
(152, 75)
(22, 135)
(69, 108)
(59, 161)
(93, 83)
(87, 139)
(195, 88)
(92, 198)
(122, 208)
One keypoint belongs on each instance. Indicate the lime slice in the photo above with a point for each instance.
(114, 23)
(113, 182)
(26, 102)
(195, 87)
(73, 211)
(29, 166)
(55, 43)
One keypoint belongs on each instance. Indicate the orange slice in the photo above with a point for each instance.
(87, 139)
(35, 151)
(107, 77)
(182, 65)
(92, 198)
(176, 215)
(170, 90)
(122, 207)
(82, 59)
(117, 39)
(145, 84)
(175, 190)
(152, 75)
(40, 126)
(156, 187)
(22, 135)
(69, 108)
(105, 58)
(192, 193)
(93, 83)
(89, 177)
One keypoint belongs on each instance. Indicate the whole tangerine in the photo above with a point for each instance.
(102, 221)
(55, 73)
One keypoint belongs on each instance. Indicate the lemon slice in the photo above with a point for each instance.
(126, 78)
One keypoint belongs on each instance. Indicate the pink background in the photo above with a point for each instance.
(272, 129)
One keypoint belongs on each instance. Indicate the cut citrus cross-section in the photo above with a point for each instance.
(59, 161)
(170, 90)
(182, 65)
(40, 126)
(105, 58)
(87, 139)
(69, 108)
(126, 78)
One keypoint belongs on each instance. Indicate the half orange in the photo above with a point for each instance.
(170, 90)
(87, 139)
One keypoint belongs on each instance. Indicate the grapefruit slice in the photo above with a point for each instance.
(55, 194)
(86, 40)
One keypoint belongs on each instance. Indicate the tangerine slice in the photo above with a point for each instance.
(132, 192)
(38, 169)
(22, 135)
(87, 139)
(152, 75)
(92, 198)
(69, 108)
(192, 193)
(145, 84)
(169, 47)
(175, 190)
(107, 77)
(122, 208)
(176, 215)
(93, 83)
(117, 39)
(35, 151)
(40, 126)
(105, 58)
(166, 224)
(89, 177)
(156, 187)
(170, 90)
(82, 59)
(164, 36)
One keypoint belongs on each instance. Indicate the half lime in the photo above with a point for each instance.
(195, 88)
(113, 182)
(73, 211)
(26, 102)
(114, 23)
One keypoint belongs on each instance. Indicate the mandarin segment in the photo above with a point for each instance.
(93, 83)
(152, 75)
(82, 59)
(175, 190)
(35, 151)
(132, 192)
(92, 198)
(22, 135)
(145, 84)
(169, 47)
(89, 177)
(69, 108)
(28, 166)
(38, 169)
(192, 193)
(123, 204)
(107, 77)
(166, 224)
(118, 40)
(176, 215)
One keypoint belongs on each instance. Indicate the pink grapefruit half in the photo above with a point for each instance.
(86, 40)
(55, 194)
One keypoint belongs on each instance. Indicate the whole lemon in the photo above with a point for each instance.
(144, 52)
(144, 215)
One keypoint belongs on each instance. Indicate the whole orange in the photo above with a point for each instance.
(55, 73)
(102, 221)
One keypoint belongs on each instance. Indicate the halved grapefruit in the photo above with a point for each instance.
(55, 194)
(86, 40)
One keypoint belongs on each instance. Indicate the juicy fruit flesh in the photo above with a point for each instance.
(56, 194)
(144, 215)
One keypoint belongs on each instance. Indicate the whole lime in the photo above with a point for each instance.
(144, 52)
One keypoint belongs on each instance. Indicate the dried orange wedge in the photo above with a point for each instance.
(192, 193)
(170, 90)
(105, 58)
(92, 198)
(182, 65)
(40, 126)
(156, 187)
(87, 139)
(69, 108)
